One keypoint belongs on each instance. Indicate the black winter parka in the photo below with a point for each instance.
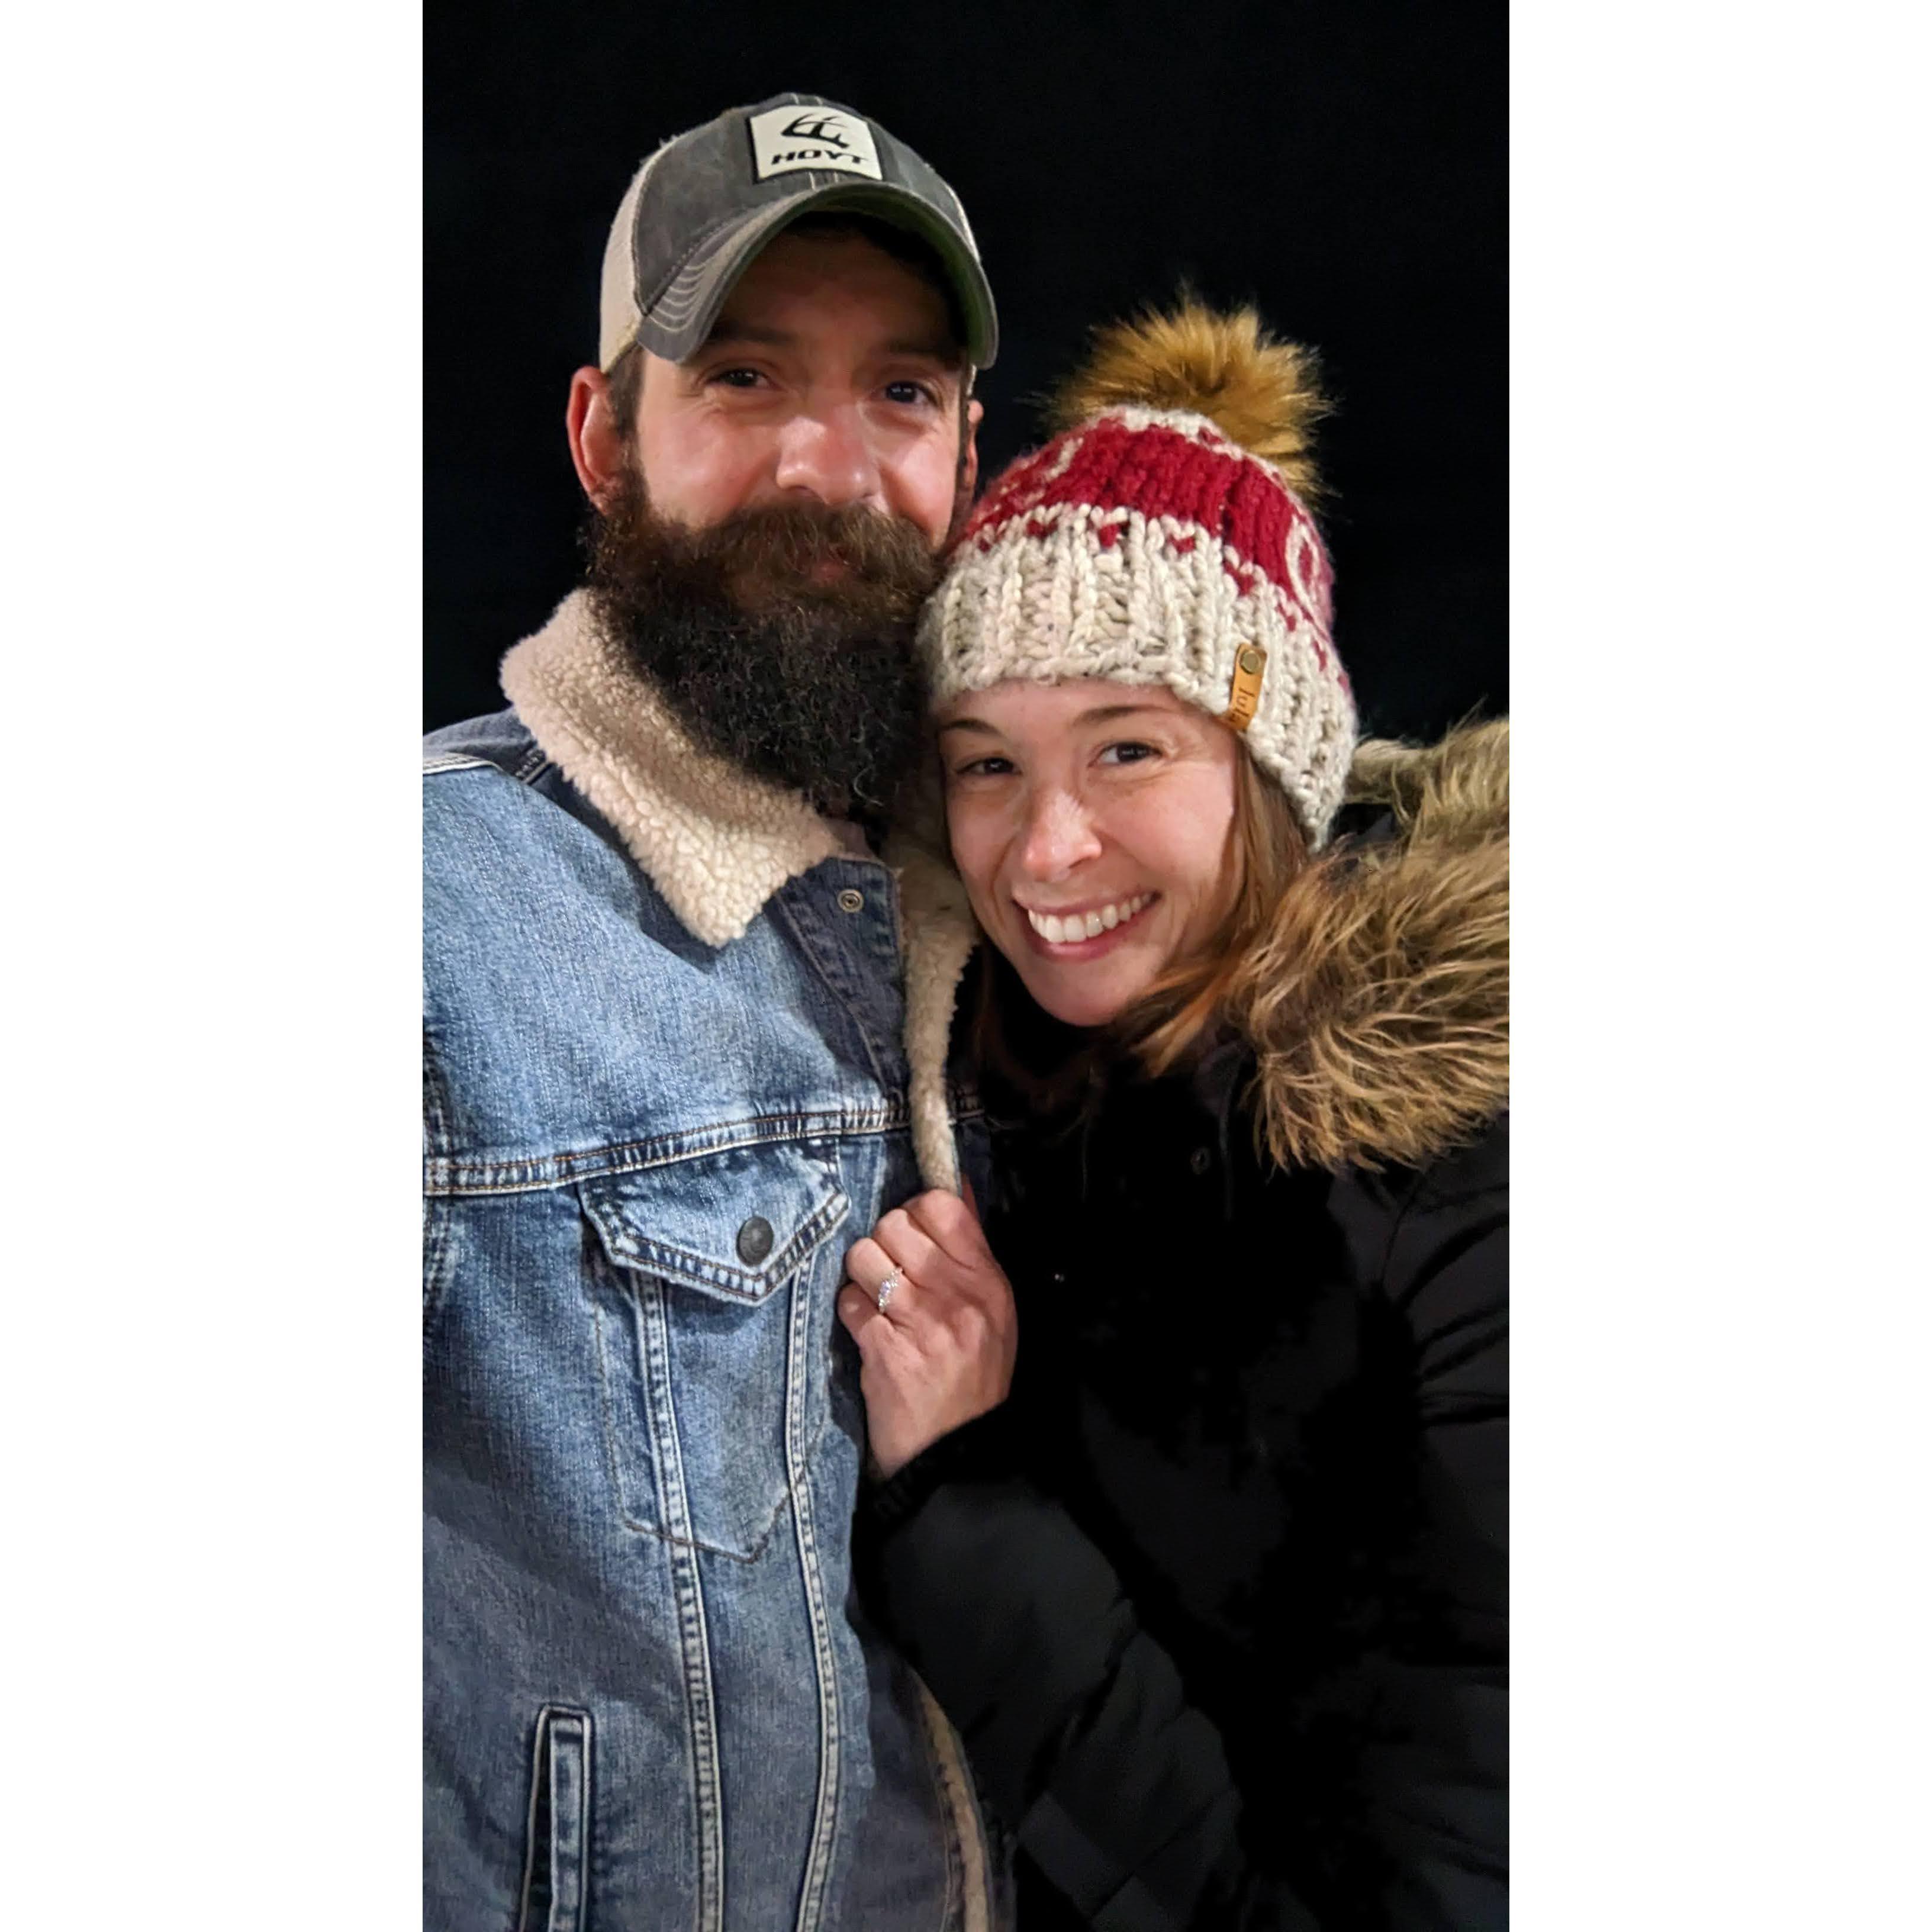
(1217, 1598)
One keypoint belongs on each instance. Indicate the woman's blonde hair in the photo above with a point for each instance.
(1266, 849)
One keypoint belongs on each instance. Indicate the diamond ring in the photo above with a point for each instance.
(886, 1288)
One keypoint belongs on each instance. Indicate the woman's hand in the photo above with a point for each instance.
(941, 1350)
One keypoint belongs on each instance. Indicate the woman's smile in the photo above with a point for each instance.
(1076, 932)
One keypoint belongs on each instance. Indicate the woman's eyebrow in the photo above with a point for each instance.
(1105, 714)
(1101, 714)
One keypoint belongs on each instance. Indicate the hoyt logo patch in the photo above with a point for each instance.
(787, 138)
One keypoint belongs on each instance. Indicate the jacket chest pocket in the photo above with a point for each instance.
(700, 1277)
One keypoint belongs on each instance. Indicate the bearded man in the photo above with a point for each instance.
(670, 986)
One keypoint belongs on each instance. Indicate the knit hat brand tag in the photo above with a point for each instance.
(1245, 693)
(788, 138)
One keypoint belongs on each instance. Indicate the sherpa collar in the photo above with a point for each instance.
(717, 842)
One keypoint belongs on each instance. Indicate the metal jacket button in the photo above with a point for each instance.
(754, 1241)
(850, 901)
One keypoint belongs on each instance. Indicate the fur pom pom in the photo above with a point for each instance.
(1259, 392)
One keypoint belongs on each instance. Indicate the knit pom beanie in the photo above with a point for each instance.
(1163, 536)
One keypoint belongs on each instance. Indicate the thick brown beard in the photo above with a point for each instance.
(804, 680)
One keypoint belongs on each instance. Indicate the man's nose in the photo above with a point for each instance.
(1059, 835)
(828, 452)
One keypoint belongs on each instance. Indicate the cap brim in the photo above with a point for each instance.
(680, 320)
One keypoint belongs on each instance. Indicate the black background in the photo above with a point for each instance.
(1341, 164)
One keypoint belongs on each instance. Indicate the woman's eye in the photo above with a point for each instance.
(1129, 753)
(987, 767)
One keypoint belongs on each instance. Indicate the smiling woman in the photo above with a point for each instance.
(1191, 1506)
(1091, 823)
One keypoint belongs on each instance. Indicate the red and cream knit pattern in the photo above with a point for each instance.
(1147, 544)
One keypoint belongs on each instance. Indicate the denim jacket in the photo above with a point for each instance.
(668, 1083)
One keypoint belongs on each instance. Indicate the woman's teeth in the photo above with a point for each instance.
(1079, 925)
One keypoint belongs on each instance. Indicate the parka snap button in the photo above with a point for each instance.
(754, 1241)
(1060, 1277)
(1201, 1160)
(850, 901)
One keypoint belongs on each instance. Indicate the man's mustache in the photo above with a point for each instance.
(799, 540)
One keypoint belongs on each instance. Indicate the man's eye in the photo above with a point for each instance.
(736, 379)
(910, 394)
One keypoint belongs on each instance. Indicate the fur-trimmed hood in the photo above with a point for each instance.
(1377, 1003)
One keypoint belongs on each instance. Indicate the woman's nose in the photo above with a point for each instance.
(1059, 835)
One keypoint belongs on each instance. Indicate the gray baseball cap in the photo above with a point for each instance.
(701, 207)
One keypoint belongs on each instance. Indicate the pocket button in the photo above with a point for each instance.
(754, 1241)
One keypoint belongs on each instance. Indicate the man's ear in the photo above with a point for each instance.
(967, 478)
(596, 446)
(969, 451)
